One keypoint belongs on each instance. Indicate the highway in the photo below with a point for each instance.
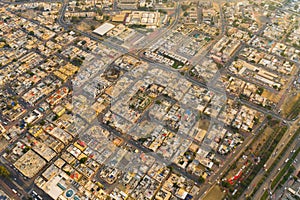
(24, 186)
(213, 180)
(6, 185)
(279, 148)
(18, 182)
(281, 162)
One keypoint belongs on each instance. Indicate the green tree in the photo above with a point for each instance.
(31, 33)
(77, 61)
(201, 180)
(54, 118)
(83, 160)
(225, 184)
(185, 7)
(27, 148)
(269, 117)
(75, 19)
(260, 90)
(4, 172)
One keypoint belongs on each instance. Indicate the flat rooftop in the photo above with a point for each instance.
(103, 29)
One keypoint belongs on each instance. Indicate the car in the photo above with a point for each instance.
(14, 191)
(233, 193)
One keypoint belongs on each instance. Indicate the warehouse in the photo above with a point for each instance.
(103, 29)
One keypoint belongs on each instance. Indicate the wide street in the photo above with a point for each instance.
(287, 154)
(20, 187)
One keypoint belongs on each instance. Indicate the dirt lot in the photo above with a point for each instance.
(271, 96)
(204, 124)
(266, 134)
(214, 194)
(254, 148)
(289, 103)
(29, 14)
(3, 143)
(88, 24)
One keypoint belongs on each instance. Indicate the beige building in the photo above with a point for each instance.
(128, 4)
(149, 19)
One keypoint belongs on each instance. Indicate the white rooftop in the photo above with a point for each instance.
(103, 29)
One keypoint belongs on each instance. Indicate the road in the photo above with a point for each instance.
(268, 164)
(19, 183)
(281, 162)
(275, 171)
(213, 180)
(152, 38)
(7, 187)
(142, 148)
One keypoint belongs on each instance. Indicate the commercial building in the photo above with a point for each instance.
(103, 29)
